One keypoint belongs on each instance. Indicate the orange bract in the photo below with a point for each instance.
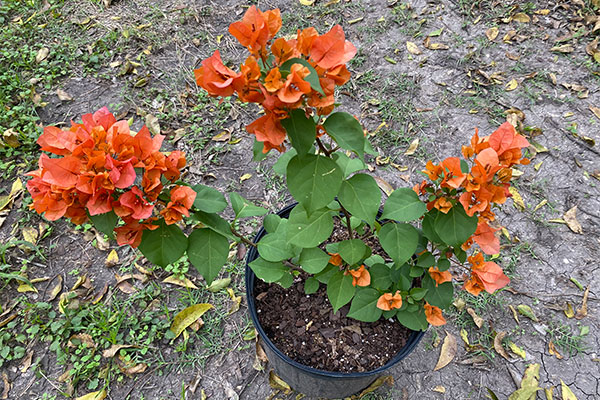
(388, 302)
(360, 277)
(335, 259)
(439, 276)
(256, 28)
(485, 275)
(214, 77)
(434, 315)
(332, 49)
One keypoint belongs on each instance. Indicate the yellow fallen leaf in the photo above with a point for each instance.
(465, 336)
(219, 284)
(553, 351)
(567, 394)
(307, 2)
(582, 311)
(222, 136)
(569, 311)
(595, 111)
(245, 177)
(544, 11)
(517, 199)
(511, 85)
(30, 234)
(112, 259)
(565, 48)
(527, 311)
(63, 96)
(56, 289)
(355, 20)
(384, 186)
(99, 395)
(278, 384)
(185, 282)
(498, 345)
(529, 384)
(521, 17)
(492, 33)
(187, 316)
(439, 389)
(412, 148)
(570, 218)
(25, 287)
(540, 205)
(447, 353)
(412, 48)
(517, 350)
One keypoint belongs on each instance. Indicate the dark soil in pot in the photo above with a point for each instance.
(305, 328)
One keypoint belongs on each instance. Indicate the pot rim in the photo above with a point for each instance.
(412, 342)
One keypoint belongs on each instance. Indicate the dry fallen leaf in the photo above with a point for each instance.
(185, 282)
(42, 54)
(99, 395)
(26, 362)
(565, 48)
(112, 259)
(527, 311)
(553, 352)
(529, 384)
(498, 345)
(279, 384)
(237, 301)
(595, 111)
(517, 199)
(224, 136)
(7, 386)
(114, 349)
(384, 186)
(570, 218)
(517, 350)
(447, 353)
(412, 148)
(307, 2)
(492, 33)
(218, 284)
(11, 138)
(582, 311)
(439, 389)
(521, 17)
(476, 318)
(569, 312)
(412, 48)
(152, 124)
(187, 316)
(567, 394)
(63, 96)
(56, 289)
(511, 85)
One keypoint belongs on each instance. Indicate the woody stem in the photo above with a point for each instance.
(323, 148)
(244, 240)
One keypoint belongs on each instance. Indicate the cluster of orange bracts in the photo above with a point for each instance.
(262, 80)
(95, 172)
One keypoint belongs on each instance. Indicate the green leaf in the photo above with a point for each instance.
(428, 226)
(313, 180)
(207, 251)
(105, 223)
(364, 305)
(286, 281)
(216, 223)
(340, 290)
(257, 151)
(380, 276)
(243, 208)
(417, 293)
(268, 271)
(361, 196)
(352, 251)
(305, 231)
(301, 130)
(455, 227)
(401, 275)
(271, 222)
(313, 76)
(426, 260)
(208, 199)
(346, 131)
(326, 274)
(399, 241)
(273, 247)
(441, 295)
(313, 260)
(164, 245)
(417, 321)
(403, 205)
(374, 259)
(282, 162)
(348, 165)
(311, 285)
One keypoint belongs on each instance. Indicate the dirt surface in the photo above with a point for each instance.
(437, 96)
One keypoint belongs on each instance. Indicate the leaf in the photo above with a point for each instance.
(308, 231)
(187, 316)
(412, 48)
(553, 351)
(476, 318)
(340, 290)
(237, 300)
(361, 197)
(311, 285)
(313, 76)
(386, 379)
(567, 394)
(517, 199)
(346, 131)
(313, 260)
(412, 148)
(244, 208)
(582, 311)
(274, 247)
(439, 295)
(268, 271)
(164, 245)
(352, 251)
(152, 124)
(569, 312)
(30, 234)
(301, 130)
(384, 186)
(307, 2)
(245, 177)
(56, 289)
(313, 180)
(278, 384)
(347, 164)
(42, 54)
(114, 349)
(98, 395)
(208, 199)
(595, 111)
(223, 136)
(570, 218)
(527, 311)
(529, 384)
(364, 305)
(447, 353)
(399, 241)
(216, 223)
(185, 282)
(112, 259)
(492, 33)
(63, 96)
(517, 350)
(455, 227)
(511, 85)
(105, 223)
(11, 138)
(565, 48)
(521, 17)
(208, 252)
(498, 345)
(403, 205)
(218, 285)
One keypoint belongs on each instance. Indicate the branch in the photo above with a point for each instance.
(244, 240)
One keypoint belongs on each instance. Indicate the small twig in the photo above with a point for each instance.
(246, 241)
(323, 148)
(347, 221)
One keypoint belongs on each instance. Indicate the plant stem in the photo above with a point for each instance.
(347, 214)
(323, 148)
(244, 240)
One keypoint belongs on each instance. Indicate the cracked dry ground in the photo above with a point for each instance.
(435, 95)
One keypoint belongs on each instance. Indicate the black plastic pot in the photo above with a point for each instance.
(308, 380)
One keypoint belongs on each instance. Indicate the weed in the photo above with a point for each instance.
(565, 339)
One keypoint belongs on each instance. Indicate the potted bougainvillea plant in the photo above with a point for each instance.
(385, 269)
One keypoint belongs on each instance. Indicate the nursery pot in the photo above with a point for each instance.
(305, 379)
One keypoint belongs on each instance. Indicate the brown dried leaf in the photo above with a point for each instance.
(126, 287)
(476, 318)
(384, 186)
(152, 124)
(112, 259)
(447, 353)
(279, 384)
(553, 351)
(63, 96)
(237, 301)
(570, 218)
(56, 290)
(100, 294)
(42, 54)
(595, 111)
(582, 311)
(565, 48)
(114, 349)
(7, 386)
(186, 283)
(85, 339)
(492, 33)
(498, 345)
(412, 48)
(26, 363)
(521, 17)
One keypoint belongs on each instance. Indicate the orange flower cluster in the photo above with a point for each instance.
(360, 277)
(485, 275)
(265, 77)
(388, 301)
(434, 315)
(95, 173)
(484, 185)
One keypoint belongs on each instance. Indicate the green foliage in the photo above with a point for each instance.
(346, 131)
(164, 245)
